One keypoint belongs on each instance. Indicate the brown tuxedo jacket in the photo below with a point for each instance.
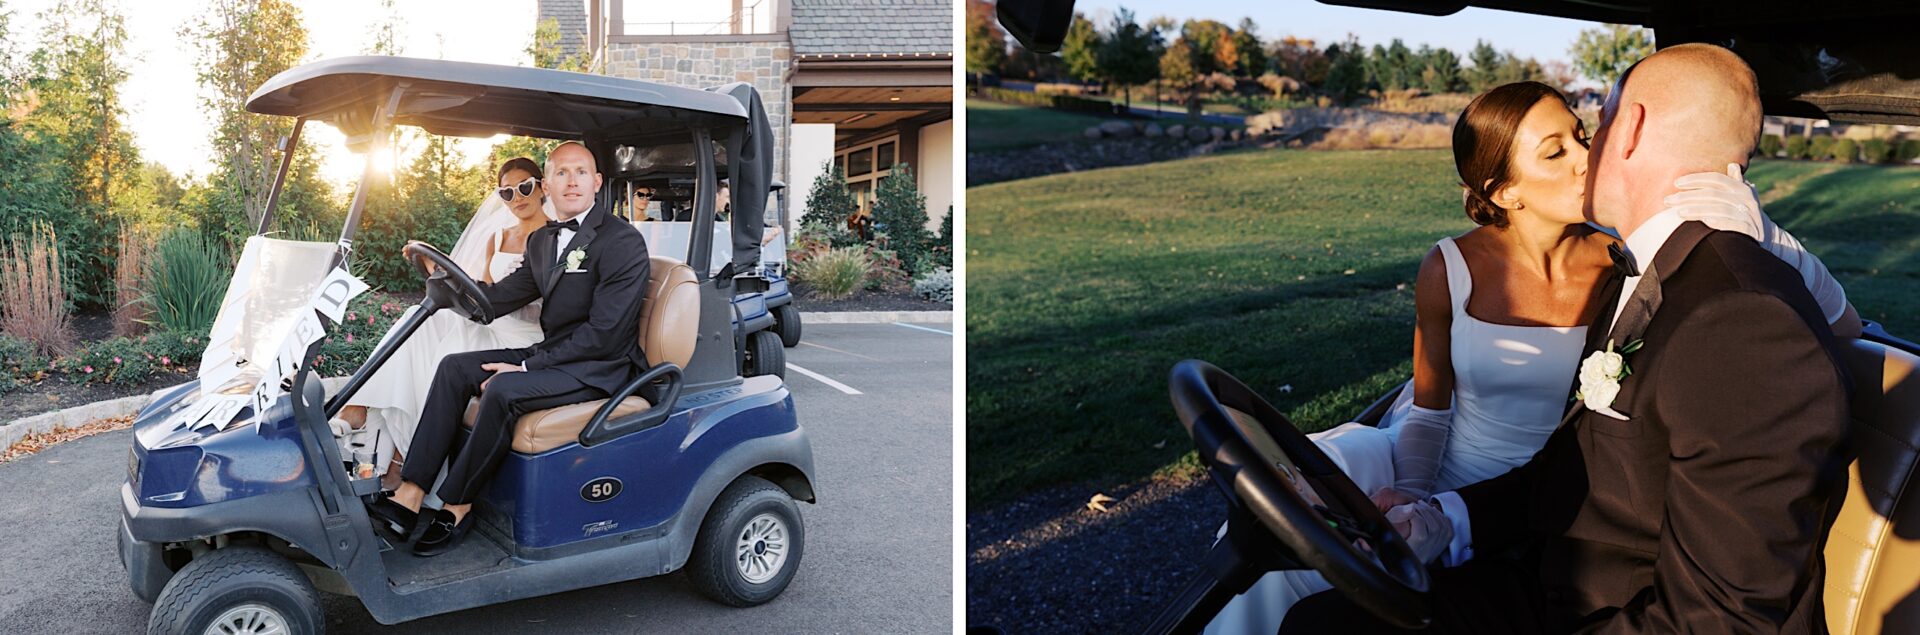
(1707, 509)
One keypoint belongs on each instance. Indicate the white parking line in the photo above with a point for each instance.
(912, 326)
(825, 380)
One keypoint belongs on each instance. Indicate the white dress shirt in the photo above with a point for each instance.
(560, 244)
(1641, 245)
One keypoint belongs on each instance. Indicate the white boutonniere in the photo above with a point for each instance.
(575, 257)
(1600, 377)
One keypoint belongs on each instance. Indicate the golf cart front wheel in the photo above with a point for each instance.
(749, 545)
(788, 320)
(765, 355)
(237, 590)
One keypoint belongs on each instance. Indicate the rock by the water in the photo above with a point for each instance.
(1154, 130)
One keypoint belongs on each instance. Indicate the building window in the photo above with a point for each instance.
(866, 164)
(859, 163)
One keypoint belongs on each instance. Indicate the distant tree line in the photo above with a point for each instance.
(1199, 57)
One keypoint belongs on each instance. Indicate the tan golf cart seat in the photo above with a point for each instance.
(669, 326)
(1873, 551)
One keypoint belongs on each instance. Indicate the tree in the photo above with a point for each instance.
(1442, 72)
(1080, 51)
(1253, 58)
(1299, 59)
(1346, 72)
(1127, 58)
(547, 52)
(829, 205)
(986, 45)
(1486, 65)
(74, 116)
(243, 43)
(1603, 54)
(1211, 45)
(1176, 65)
(900, 211)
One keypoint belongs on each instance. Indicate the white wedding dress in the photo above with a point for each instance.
(396, 392)
(1510, 390)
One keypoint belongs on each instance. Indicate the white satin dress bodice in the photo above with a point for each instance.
(1511, 385)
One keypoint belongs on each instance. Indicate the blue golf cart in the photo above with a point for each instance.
(239, 503)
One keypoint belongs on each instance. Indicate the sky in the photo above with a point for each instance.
(162, 95)
(1527, 35)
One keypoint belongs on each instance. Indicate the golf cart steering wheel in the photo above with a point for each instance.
(1260, 461)
(447, 284)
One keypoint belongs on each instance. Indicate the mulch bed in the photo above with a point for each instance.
(806, 300)
(56, 393)
(1050, 563)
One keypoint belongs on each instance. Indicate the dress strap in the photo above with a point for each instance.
(1459, 280)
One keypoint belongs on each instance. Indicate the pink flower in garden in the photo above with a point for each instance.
(349, 338)
(89, 369)
(116, 360)
(164, 361)
(350, 315)
(369, 320)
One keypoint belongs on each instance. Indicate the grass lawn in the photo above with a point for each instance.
(993, 125)
(1291, 269)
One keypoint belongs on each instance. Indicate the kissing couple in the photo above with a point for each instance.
(1613, 435)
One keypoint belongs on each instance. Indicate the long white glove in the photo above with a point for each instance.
(1416, 455)
(1427, 530)
(1728, 203)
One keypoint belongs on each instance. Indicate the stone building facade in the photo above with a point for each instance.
(705, 62)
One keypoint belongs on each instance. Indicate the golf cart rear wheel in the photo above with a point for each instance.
(237, 590)
(749, 545)
(788, 319)
(765, 355)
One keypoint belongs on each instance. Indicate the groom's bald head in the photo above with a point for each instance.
(1687, 108)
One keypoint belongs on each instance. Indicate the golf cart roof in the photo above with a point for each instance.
(479, 100)
(1851, 61)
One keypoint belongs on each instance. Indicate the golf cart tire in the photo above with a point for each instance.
(225, 579)
(788, 319)
(712, 567)
(765, 355)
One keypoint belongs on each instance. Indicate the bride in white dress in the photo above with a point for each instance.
(1498, 317)
(492, 246)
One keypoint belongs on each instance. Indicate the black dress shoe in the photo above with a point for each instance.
(393, 513)
(442, 534)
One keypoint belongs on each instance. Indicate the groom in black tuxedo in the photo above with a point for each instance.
(1697, 499)
(591, 269)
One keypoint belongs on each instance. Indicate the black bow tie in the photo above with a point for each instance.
(1622, 262)
(573, 224)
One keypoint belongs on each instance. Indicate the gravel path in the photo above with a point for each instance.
(1048, 564)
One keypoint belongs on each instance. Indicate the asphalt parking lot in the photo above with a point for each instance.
(876, 399)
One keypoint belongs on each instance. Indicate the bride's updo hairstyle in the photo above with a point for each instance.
(522, 164)
(1483, 144)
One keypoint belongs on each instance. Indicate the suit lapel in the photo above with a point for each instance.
(1640, 308)
(589, 226)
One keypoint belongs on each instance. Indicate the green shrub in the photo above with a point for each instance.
(829, 205)
(20, 364)
(131, 361)
(1797, 147)
(1909, 150)
(835, 273)
(1060, 102)
(186, 277)
(1876, 150)
(900, 211)
(942, 250)
(1820, 149)
(936, 286)
(1770, 145)
(1845, 150)
(349, 343)
(887, 272)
